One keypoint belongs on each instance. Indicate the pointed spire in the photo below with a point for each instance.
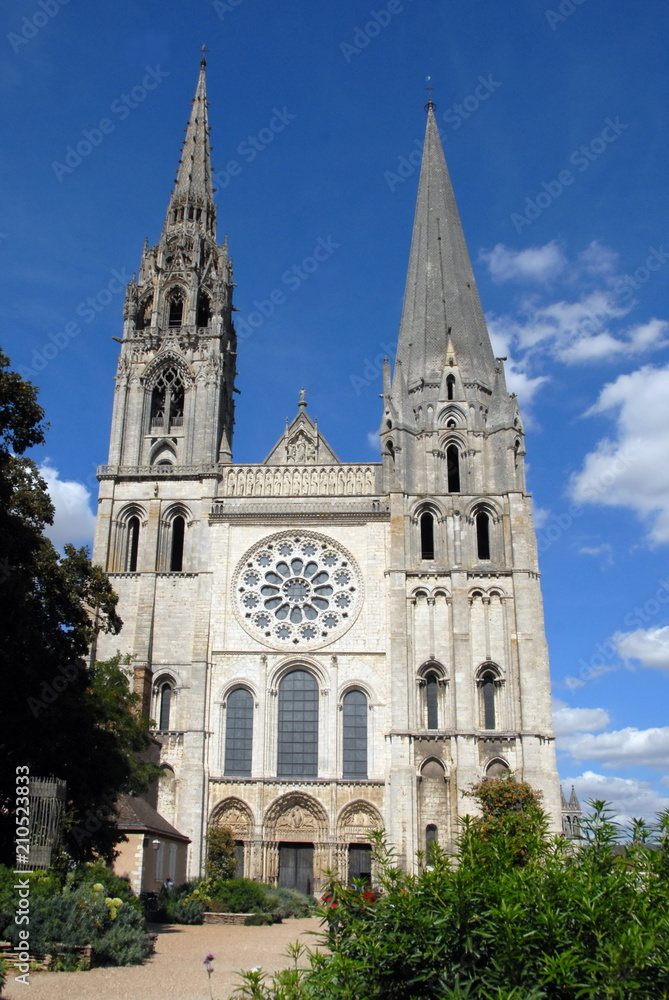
(441, 291)
(192, 199)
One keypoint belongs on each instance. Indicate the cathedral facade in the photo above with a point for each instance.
(327, 649)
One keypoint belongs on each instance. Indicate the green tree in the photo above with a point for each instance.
(57, 715)
(221, 861)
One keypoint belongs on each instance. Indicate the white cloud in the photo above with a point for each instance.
(540, 515)
(650, 647)
(538, 264)
(604, 551)
(629, 797)
(74, 520)
(567, 720)
(631, 468)
(583, 327)
(624, 748)
(373, 440)
(598, 259)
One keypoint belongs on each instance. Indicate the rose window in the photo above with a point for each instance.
(298, 589)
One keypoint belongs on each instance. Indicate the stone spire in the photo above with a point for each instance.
(441, 299)
(193, 195)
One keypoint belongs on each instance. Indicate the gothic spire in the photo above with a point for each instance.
(441, 299)
(193, 197)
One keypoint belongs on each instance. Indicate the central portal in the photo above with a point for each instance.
(296, 867)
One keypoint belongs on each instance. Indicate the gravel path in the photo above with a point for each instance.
(176, 971)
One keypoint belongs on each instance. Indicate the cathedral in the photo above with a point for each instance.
(327, 649)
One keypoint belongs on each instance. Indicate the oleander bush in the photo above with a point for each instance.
(519, 915)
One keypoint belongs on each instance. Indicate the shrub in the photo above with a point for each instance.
(99, 873)
(258, 920)
(86, 915)
(521, 916)
(184, 909)
(241, 895)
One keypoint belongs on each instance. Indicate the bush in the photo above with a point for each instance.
(241, 895)
(184, 909)
(258, 920)
(43, 884)
(86, 915)
(99, 873)
(521, 916)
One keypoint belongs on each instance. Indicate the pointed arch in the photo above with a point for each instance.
(175, 304)
(450, 386)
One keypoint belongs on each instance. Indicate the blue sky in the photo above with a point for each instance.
(555, 130)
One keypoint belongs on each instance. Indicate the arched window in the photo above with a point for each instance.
(298, 726)
(426, 536)
(132, 544)
(453, 468)
(482, 535)
(431, 840)
(239, 733)
(203, 309)
(354, 710)
(177, 544)
(167, 400)
(175, 308)
(487, 684)
(450, 387)
(390, 450)
(432, 700)
(164, 705)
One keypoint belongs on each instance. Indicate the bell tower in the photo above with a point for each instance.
(173, 404)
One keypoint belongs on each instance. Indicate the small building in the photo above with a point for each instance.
(154, 850)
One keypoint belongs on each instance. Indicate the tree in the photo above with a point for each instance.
(221, 861)
(57, 714)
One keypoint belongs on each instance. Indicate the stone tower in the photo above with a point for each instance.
(326, 648)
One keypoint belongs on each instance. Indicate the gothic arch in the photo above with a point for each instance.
(452, 412)
(162, 453)
(177, 509)
(489, 666)
(296, 816)
(433, 768)
(496, 767)
(357, 820)
(164, 360)
(236, 815)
